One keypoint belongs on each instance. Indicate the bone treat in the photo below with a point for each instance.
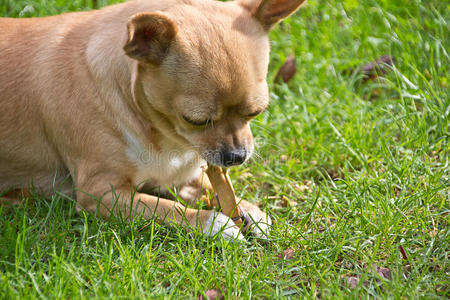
(225, 193)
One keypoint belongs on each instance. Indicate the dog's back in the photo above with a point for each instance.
(35, 67)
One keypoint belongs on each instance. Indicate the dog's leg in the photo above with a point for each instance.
(258, 221)
(198, 190)
(201, 189)
(170, 212)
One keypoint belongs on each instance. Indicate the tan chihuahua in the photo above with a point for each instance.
(136, 97)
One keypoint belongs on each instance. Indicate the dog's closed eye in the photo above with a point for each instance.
(254, 114)
(196, 122)
(257, 106)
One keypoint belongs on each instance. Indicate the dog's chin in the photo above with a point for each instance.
(215, 163)
(212, 157)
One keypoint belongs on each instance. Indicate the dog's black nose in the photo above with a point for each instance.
(234, 157)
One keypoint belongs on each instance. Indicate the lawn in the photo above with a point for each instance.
(354, 171)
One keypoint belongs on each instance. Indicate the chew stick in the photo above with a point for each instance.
(225, 193)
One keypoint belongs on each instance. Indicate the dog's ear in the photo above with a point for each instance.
(270, 12)
(149, 37)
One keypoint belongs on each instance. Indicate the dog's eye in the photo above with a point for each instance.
(254, 114)
(195, 122)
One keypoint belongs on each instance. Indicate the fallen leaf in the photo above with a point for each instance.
(378, 67)
(383, 272)
(288, 202)
(246, 175)
(306, 187)
(16, 194)
(287, 70)
(397, 191)
(214, 294)
(287, 254)
(334, 174)
(442, 290)
(406, 271)
(352, 281)
(266, 185)
(144, 226)
(321, 229)
(403, 252)
(375, 68)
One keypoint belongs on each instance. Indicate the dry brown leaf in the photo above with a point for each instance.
(287, 254)
(246, 175)
(287, 70)
(378, 67)
(383, 272)
(304, 187)
(288, 202)
(375, 68)
(214, 294)
(352, 281)
(403, 252)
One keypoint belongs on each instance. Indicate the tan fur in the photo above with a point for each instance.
(77, 110)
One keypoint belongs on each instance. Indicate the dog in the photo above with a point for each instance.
(122, 104)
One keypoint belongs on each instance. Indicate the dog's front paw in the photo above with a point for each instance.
(218, 223)
(257, 222)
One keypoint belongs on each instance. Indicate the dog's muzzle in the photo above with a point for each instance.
(227, 157)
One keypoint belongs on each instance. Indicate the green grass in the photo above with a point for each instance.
(364, 164)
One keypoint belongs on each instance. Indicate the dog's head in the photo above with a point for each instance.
(201, 70)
